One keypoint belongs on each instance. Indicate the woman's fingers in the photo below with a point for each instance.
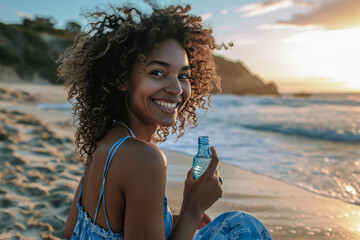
(210, 171)
(216, 173)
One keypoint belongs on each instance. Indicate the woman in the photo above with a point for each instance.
(135, 77)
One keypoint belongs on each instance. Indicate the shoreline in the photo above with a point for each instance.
(37, 204)
(267, 176)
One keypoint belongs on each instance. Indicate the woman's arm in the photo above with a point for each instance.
(144, 190)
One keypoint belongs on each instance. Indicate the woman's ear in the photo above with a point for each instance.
(123, 85)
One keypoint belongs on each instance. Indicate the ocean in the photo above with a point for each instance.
(313, 143)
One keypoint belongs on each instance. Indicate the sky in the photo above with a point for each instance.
(300, 45)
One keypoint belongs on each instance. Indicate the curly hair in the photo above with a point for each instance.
(94, 65)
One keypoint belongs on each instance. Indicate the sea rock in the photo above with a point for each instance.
(302, 95)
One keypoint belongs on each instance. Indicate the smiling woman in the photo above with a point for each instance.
(135, 76)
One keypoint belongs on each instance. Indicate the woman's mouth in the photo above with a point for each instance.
(168, 107)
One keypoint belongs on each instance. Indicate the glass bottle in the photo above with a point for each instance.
(202, 158)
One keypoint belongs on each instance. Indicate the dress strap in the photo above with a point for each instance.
(132, 134)
(81, 187)
(110, 156)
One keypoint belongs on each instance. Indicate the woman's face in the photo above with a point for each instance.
(160, 87)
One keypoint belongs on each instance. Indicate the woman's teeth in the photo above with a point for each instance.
(165, 104)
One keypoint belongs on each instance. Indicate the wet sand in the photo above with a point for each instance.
(39, 174)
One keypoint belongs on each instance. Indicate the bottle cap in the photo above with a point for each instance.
(203, 139)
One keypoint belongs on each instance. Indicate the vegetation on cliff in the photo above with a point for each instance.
(32, 47)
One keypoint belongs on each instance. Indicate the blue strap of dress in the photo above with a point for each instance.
(132, 134)
(111, 154)
(81, 187)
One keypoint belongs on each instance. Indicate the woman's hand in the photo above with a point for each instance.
(202, 193)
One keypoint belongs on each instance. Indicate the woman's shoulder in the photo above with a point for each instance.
(142, 164)
(141, 155)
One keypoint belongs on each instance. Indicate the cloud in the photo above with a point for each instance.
(331, 15)
(251, 10)
(289, 26)
(224, 11)
(206, 16)
(24, 14)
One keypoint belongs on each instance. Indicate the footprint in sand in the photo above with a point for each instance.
(35, 191)
(60, 199)
(6, 150)
(8, 178)
(2, 191)
(28, 119)
(6, 202)
(14, 160)
(63, 188)
(56, 223)
(6, 219)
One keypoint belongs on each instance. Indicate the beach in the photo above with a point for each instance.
(39, 174)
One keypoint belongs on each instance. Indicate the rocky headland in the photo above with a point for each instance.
(237, 79)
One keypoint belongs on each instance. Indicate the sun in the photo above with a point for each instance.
(330, 54)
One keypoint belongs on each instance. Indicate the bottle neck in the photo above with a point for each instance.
(204, 149)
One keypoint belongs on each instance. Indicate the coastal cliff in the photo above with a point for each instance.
(237, 79)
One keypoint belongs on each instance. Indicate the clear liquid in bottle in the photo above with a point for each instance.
(202, 158)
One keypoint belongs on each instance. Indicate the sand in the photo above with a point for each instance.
(39, 174)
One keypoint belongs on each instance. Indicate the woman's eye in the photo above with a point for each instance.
(184, 77)
(157, 73)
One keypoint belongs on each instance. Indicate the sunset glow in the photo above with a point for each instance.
(329, 54)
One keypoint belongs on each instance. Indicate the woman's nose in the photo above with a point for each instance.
(174, 87)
